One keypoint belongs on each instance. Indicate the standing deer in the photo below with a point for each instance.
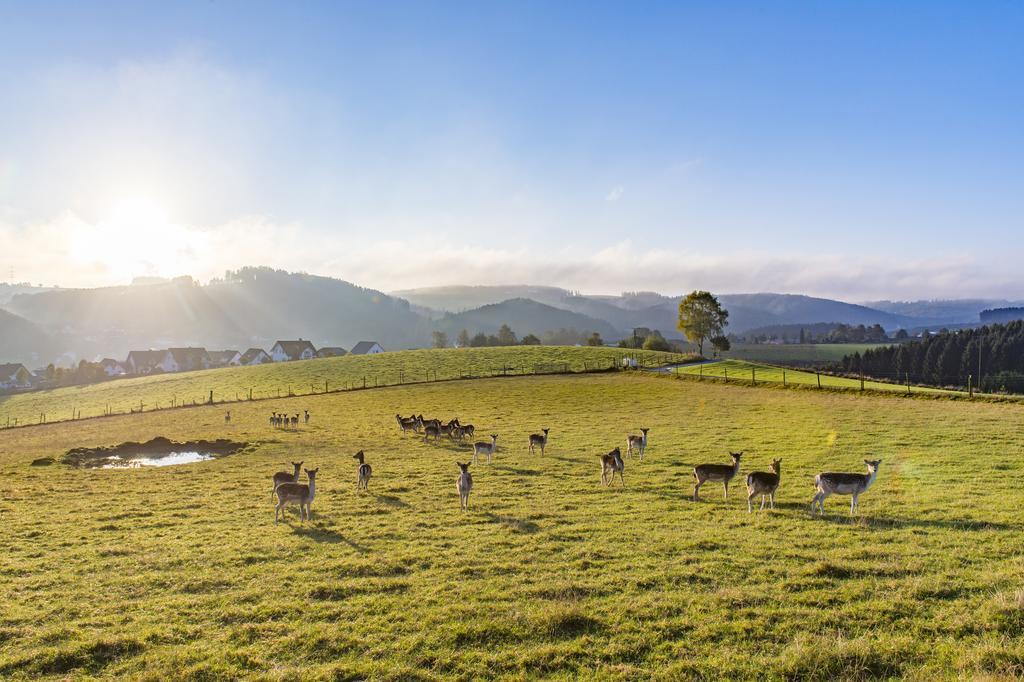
(301, 494)
(227, 417)
(716, 472)
(295, 420)
(464, 483)
(637, 442)
(285, 477)
(468, 429)
(410, 424)
(306, 415)
(538, 440)
(830, 483)
(432, 432)
(485, 449)
(612, 464)
(364, 472)
(764, 483)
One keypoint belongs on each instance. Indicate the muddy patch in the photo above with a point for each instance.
(154, 453)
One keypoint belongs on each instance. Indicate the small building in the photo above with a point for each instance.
(149, 362)
(254, 356)
(113, 368)
(331, 352)
(367, 348)
(225, 358)
(189, 359)
(283, 351)
(14, 375)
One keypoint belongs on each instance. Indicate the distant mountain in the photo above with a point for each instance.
(23, 341)
(455, 299)
(941, 313)
(9, 291)
(524, 316)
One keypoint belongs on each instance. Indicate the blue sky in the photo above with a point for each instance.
(860, 150)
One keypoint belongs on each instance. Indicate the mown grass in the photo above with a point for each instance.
(798, 353)
(309, 376)
(751, 372)
(181, 573)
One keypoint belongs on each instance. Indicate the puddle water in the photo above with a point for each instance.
(168, 460)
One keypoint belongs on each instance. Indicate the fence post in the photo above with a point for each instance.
(783, 378)
(702, 371)
(726, 375)
(862, 382)
(908, 383)
(753, 376)
(819, 378)
(970, 386)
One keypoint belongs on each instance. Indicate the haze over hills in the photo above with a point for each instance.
(256, 306)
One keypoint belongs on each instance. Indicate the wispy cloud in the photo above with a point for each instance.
(615, 193)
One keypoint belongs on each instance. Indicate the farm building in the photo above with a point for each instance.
(254, 356)
(13, 375)
(187, 359)
(149, 361)
(113, 368)
(284, 351)
(367, 348)
(225, 358)
(331, 352)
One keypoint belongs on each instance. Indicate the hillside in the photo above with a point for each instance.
(22, 341)
(524, 317)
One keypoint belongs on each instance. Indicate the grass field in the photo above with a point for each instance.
(797, 353)
(740, 371)
(308, 376)
(181, 572)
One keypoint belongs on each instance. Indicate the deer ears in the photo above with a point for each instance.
(870, 463)
(312, 472)
(296, 464)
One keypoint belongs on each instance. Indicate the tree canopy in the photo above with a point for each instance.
(701, 317)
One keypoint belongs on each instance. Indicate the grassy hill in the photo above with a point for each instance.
(308, 376)
(23, 341)
(181, 572)
(524, 317)
(797, 353)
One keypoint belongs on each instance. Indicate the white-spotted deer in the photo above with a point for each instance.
(831, 483)
(485, 449)
(464, 484)
(539, 440)
(301, 494)
(364, 472)
(638, 443)
(764, 483)
(612, 464)
(285, 477)
(719, 473)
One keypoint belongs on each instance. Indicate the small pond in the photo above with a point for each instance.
(158, 452)
(166, 460)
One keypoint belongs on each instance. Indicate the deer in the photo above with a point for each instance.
(273, 418)
(364, 472)
(410, 424)
(538, 440)
(763, 483)
(638, 443)
(306, 415)
(716, 472)
(464, 483)
(432, 431)
(285, 477)
(831, 483)
(227, 417)
(468, 429)
(485, 449)
(301, 494)
(449, 428)
(424, 423)
(612, 464)
(295, 420)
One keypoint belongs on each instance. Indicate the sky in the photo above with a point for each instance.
(854, 150)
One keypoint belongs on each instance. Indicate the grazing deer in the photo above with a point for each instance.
(364, 472)
(612, 464)
(306, 415)
(410, 424)
(285, 477)
(485, 449)
(273, 418)
(830, 483)
(464, 483)
(638, 443)
(538, 440)
(432, 432)
(227, 417)
(295, 420)
(301, 494)
(764, 483)
(716, 472)
(449, 428)
(424, 423)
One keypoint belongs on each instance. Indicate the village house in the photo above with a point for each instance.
(113, 368)
(225, 358)
(284, 351)
(188, 359)
(254, 356)
(149, 362)
(13, 376)
(367, 348)
(331, 352)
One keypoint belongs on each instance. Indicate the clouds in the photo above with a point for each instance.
(615, 193)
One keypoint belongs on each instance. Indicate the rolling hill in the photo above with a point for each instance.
(524, 316)
(23, 341)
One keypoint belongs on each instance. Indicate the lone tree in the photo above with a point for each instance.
(462, 340)
(440, 339)
(701, 317)
(595, 340)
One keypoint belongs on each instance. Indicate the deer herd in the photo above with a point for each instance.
(288, 489)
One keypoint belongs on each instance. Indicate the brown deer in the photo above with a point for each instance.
(464, 483)
(364, 472)
(638, 443)
(285, 477)
(227, 417)
(830, 483)
(485, 449)
(612, 464)
(716, 472)
(539, 440)
(410, 424)
(301, 494)
(764, 483)
(432, 432)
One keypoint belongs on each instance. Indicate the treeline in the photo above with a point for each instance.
(507, 337)
(949, 358)
(826, 332)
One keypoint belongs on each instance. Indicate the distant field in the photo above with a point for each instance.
(802, 353)
(181, 573)
(308, 376)
(741, 371)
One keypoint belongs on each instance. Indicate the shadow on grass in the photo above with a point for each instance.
(517, 471)
(392, 501)
(327, 535)
(512, 523)
(893, 522)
